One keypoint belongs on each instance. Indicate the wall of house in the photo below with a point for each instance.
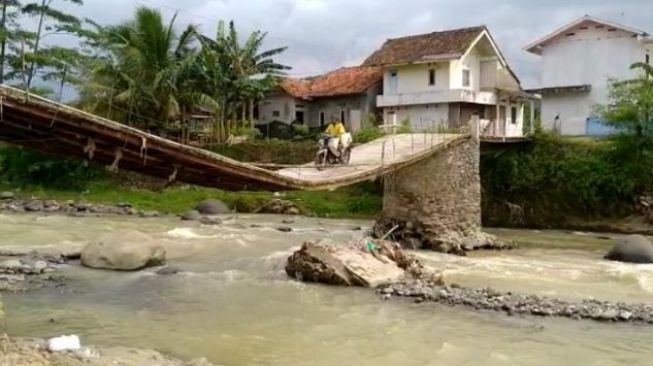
(284, 105)
(471, 62)
(515, 128)
(333, 107)
(421, 117)
(415, 78)
(489, 73)
(589, 56)
(573, 109)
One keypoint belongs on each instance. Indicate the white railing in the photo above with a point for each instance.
(440, 96)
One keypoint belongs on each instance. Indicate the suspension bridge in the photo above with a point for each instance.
(54, 128)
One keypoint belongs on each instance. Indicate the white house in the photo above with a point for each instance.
(443, 78)
(578, 60)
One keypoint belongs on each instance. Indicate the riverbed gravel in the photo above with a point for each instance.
(487, 299)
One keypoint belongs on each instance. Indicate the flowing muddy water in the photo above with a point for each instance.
(235, 306)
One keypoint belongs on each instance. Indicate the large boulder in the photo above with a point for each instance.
(124, 251)
(34, 206)
(279, 207)
(212, 207)
(632, 249)
(192, 215)
(345, 265)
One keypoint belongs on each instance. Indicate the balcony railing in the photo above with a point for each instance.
(434, 97)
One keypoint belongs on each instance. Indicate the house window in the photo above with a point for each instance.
(466, 78)
(431, 77)
(513, 115)
(276, 113)
(343, 116)
(393, 82)
(322, 119)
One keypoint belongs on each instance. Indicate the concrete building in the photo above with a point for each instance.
(348, 94)
(578, 60)
(441, 79)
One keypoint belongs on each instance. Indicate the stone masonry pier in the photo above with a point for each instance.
(436, 203)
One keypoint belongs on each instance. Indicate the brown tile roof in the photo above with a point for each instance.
(343, 81)
(298, 88)
(425, 47)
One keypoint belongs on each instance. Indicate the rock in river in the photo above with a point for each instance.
(192, 215)
(123, 251)
(6, 195)
(212, 207)
(632, 249)
(34, 206)
(345, 265)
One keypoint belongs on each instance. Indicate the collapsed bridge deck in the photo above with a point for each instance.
(44, 125)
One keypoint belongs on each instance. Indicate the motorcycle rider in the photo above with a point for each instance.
(334, 131)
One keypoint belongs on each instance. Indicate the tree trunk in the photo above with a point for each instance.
(182, 124)
(37, 42)
(243, 113)
(251, 113)
(3, 44)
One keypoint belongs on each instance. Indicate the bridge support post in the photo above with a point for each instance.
(436, 203)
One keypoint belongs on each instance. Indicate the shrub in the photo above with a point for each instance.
(367, 134)
(21, 166)
(300, 129)
(405, 126)
(562, 176)
(250, 133)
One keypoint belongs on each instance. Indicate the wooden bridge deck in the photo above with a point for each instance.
(55, 128)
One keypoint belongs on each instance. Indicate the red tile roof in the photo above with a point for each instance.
(424, 47)
(343, 81)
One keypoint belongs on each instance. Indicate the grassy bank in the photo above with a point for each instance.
(561, 182)
(31, 174)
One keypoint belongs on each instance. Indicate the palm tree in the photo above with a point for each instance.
(140, 79)
(245, 72)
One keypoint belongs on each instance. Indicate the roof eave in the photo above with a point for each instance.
(418, 62)
(535, 46)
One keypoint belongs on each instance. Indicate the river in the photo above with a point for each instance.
(234, 304)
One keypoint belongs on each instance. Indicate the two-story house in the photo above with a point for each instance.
(348, 94)
(578, 61)
(443, 78)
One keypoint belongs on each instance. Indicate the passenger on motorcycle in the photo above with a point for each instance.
(334, 131)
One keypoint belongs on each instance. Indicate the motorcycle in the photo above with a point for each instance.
(326, 157)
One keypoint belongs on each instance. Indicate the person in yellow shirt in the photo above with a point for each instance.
(335, 130)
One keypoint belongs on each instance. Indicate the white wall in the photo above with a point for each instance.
(589, 57)
(422, 117)
(472, 62)
(489, 74)
(284, 104)
(415, 78)
(515, 128)
(573, 110)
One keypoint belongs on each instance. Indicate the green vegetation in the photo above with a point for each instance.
(270, 151)
(29, 173)
(142, 72)
(630, 107)
(557, 178)
(405, 126)
(367, 134)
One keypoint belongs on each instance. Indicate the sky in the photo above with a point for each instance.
(322, 35)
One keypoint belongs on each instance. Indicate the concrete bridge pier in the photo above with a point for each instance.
(436, 203)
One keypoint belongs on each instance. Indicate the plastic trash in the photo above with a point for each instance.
(64, 343)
